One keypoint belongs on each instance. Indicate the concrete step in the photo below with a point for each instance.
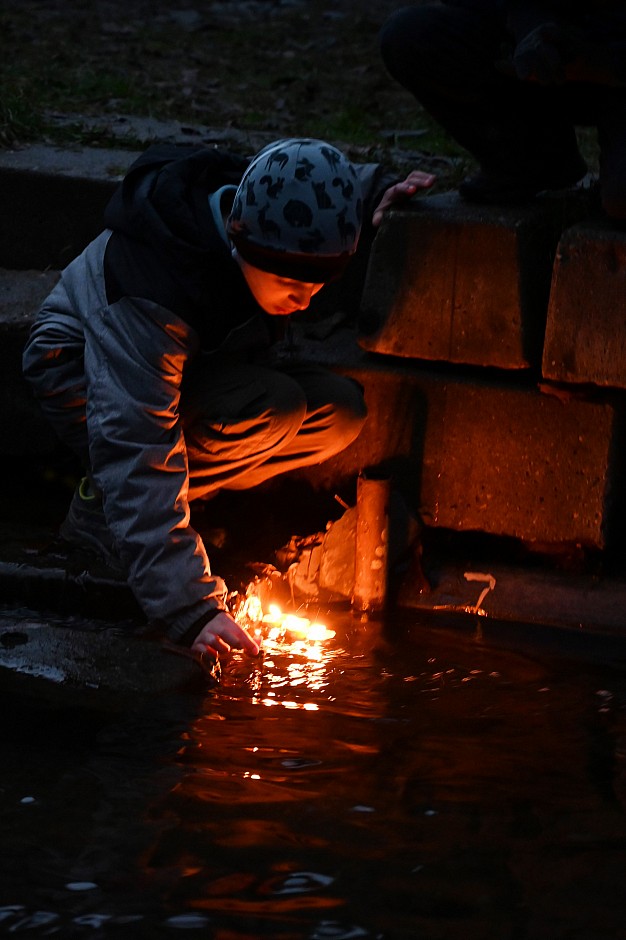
(52, 202)
(457, 283)
(586, 323)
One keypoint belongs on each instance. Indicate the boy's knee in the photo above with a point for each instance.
(349, 412)
(286, 407)
(348, 429)
(274, 421)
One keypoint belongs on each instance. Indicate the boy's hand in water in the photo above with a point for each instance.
(221, 634)
(400, 192)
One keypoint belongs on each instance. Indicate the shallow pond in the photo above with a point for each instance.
(406, 783)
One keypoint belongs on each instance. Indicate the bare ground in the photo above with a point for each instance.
(257, 68)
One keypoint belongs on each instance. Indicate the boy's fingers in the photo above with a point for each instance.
(400, 191)
(223, 633)
(420, 180)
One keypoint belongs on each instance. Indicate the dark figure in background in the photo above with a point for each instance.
(510, 79)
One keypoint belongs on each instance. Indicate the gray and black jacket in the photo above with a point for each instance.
(107, 356)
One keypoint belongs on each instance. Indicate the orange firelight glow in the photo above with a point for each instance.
(278, 626)
(299, 628)
(296, 656)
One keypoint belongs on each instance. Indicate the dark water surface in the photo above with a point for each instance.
(419, 786)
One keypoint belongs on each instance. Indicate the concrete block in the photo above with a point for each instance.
(52, 202)
(500, 460)
(586, 325)
(462, 284)
(515, 462)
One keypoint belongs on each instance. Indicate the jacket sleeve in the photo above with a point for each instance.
(53, 363)
(135, 353)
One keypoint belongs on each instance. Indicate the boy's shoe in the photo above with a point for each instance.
(85, 526)
(486, 189)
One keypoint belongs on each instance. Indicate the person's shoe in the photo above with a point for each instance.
(85, 527)
(487, 189)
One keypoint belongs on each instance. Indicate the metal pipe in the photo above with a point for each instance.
(372, 544)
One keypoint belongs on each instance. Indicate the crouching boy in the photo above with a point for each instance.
(145, 358)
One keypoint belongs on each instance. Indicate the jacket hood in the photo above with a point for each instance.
(162, 199)
(166, 246)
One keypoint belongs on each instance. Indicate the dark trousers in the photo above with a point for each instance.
(245, 423)
(446, 56)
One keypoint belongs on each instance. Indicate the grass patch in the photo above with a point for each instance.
(19, 120)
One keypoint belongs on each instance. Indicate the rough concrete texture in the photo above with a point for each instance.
(111, 663)
(462, 284)
(493, 463)
(140, 132)
(586, 325)
(476, 456)
(87, 163)
(521, 604)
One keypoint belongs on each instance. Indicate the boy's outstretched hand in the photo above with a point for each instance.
(400, 192)
(221, 634)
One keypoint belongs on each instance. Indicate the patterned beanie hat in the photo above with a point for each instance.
(297, 211)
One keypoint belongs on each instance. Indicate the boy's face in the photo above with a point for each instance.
(278, 296)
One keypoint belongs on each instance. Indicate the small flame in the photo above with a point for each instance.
(280, 626)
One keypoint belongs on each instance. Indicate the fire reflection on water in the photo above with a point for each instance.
(423, 766)
(295, 654)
